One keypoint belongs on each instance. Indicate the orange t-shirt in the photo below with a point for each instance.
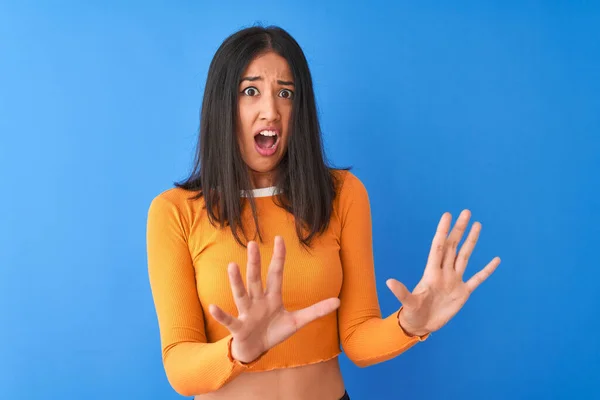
(187, 265)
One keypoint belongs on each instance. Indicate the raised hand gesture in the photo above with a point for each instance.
(262, 321)
(441, 292)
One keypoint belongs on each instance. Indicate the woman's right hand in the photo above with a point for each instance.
(262, 321)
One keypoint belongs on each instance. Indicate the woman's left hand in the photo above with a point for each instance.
(441, 292)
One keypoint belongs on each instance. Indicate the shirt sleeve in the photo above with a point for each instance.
(192, 365)
(366, 337)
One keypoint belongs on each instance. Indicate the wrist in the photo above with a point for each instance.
(408, 329)
(234, 354)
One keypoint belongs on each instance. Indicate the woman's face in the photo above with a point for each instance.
(266, 93)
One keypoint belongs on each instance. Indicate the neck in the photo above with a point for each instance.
(262, 180)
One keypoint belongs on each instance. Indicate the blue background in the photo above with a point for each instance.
(491, 106)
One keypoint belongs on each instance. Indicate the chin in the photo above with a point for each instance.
(264, 167)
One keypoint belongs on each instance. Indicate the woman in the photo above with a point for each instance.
(234, 325)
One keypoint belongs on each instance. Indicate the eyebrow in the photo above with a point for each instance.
(259, 78)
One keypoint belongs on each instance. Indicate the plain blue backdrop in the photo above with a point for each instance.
(491, 106)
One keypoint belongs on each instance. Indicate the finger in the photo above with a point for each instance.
(400, 291)
(225, 319)
(482, 275)
(467, 249)
(454, 239)
(275, 274)
(253, 278)
(240, 296)
(317, 310)
(436, 253)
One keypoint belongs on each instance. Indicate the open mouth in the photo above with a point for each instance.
(266, 139)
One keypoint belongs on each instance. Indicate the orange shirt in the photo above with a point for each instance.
(187, 265)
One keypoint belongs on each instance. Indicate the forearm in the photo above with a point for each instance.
(377, 340)
(195, 368)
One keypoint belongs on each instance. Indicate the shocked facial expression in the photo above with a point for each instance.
(266, 95)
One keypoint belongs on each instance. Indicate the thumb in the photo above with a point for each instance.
(400, 291)
(318, 310)
(225, 319)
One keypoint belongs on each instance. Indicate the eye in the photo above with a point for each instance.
(289, 95)
(250, 91)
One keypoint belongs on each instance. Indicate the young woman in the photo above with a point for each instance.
(261, 262)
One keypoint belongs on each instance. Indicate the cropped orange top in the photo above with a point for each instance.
(187, 266)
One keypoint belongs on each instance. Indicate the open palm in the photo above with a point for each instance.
(262, 321)
(441, 292)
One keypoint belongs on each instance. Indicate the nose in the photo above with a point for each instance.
(268, 108)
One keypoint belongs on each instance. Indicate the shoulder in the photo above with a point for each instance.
(175, 202)
(172, 196)
(347, 184)
(351, 193)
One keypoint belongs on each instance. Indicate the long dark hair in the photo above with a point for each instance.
(219, 173)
